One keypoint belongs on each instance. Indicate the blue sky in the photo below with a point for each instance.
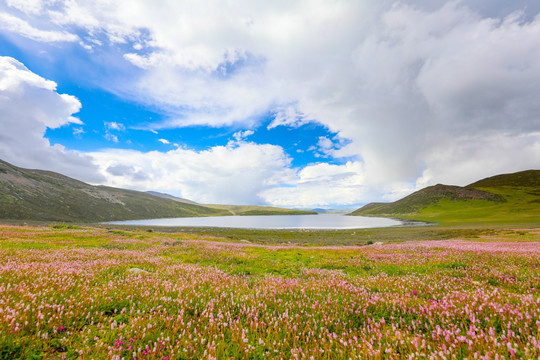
(78, 74)
(299, 104)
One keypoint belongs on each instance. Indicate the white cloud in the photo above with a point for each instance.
(410, 83)
(77, 132)
(242, 135)
(424, 81)
(401, 80)
(469, 158)
(232, 174)
(115, 126)
(29, 105)
(110, 137)
(241, 172)
(164, 141)
(321, 185)
(26, 6)
(289, 116)
(14, 24)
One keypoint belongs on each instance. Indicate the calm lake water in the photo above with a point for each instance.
(321, 221)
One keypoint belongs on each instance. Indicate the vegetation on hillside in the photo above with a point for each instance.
(528, 179)
(44, 195)
(505, 199)
(48, 196)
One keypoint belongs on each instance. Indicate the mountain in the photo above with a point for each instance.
(45, 195)
(48, 196)
(528, 178)
(506, 198)
(425, 197)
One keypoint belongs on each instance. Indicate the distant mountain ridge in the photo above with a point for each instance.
(510, 196)
(44, 195)
(427, 196)
(48, 196)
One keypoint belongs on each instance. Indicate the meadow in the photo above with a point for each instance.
(78, 292)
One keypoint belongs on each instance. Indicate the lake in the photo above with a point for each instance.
(321, 221)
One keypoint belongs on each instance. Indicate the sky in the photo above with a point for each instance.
(300, 104)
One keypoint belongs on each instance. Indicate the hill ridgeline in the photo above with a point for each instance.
(503, 198)
(45, 195)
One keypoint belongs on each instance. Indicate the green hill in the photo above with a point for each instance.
(506, 199)
(48, 196)
(525, 179)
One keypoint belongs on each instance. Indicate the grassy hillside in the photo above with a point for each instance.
(426, 197)
(524, 179)
(258, 210)
(44, 195)
(506, 199)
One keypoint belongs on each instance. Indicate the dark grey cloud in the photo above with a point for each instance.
(486, 8)
(130, 172)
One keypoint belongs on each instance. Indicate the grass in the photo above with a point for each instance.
(349, 237)
(521, 207)
(48, 196)
(81, 292)
(503, 200)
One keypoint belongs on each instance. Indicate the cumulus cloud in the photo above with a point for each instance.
(244, 173)
(29, 104)
(221, 174)
(241, 172)
(427, 86)
(457, 162)
(403, 79)
(321, 185)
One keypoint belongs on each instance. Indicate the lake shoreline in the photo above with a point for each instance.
(273, 222)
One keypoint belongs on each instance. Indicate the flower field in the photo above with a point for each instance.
(93, 293)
